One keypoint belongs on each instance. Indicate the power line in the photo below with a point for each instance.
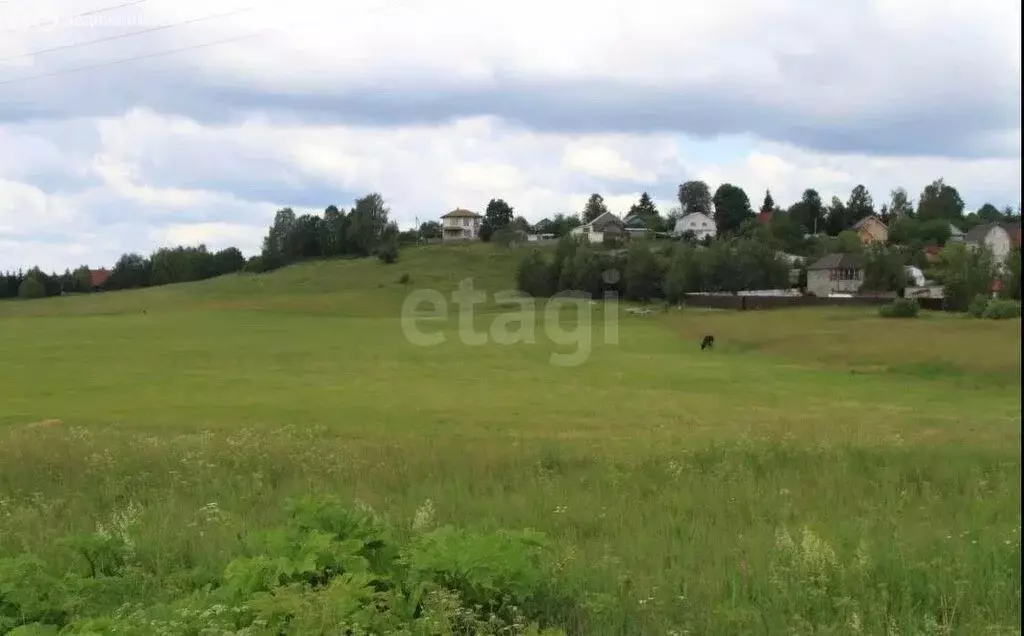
(76, 15)
(78, 69)
(164, 53)
(126, 35)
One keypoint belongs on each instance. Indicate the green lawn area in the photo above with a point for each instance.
(821, 471)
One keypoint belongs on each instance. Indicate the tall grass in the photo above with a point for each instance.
(822, 471)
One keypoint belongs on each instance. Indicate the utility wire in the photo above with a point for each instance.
(78, 69)
(157, 54)
(126, 35)
(36, 25)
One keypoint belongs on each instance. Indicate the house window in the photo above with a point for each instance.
(465, 222)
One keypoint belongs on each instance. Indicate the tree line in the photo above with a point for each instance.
(648, 270)
(363, 231)
(924, 222)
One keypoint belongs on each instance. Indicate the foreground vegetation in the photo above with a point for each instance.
(268, 454)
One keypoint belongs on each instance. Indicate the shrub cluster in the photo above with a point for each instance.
(330, 570)
(900, 308)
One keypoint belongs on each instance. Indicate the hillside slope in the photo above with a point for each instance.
(363, 287)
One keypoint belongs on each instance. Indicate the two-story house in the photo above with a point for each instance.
(836, 274)
(461, 225)
(701, 225)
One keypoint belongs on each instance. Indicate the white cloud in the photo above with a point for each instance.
(432, 92)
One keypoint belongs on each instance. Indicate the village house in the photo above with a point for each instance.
(461, 225)
(605, 225)
(836, 274)
(995, 237)
(700, 224)
(871, 229)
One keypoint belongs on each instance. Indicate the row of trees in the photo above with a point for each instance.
(645, 272)
(363, 231)
(649, 270)
(926, 222)
(166, 265)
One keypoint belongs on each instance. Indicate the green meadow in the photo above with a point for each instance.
(822, 471)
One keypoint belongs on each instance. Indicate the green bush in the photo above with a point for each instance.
(978, 306)
(329, 569)
(31, 288)
(900, 308)
(1002, 309)
(535, 276)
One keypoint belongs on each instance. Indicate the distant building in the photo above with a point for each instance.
(993, 236)
(605, 225)
(97, 277)
(702, 226)
(871, 229)
(836, 274)
(461, 225)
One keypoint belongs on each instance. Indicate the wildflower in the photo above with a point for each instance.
(424, 518)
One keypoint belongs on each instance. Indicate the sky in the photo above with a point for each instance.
(168, 122)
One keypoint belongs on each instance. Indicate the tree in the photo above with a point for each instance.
(685, 273)
(131, 271)
(965, 272)
(521, 224)
(584, 272)
(788, 233)
(486, 231)
(31, 288)
(858, 206)
(940, 201)
(732, 208)
(1011, 275)
(885, 269)
(333, 240)
(534, 275)
(498, 214)
(643, 273)
(835, 217)
(366, 224)
(644, 207)
(695, 196)
(275, 243)
(990, 214)
(228, 261)
(768, 205)
(809, 212)
(430, 230)
(595, 207)
(900, 205)
(559, 225)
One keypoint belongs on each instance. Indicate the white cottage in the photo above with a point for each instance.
(702, 225)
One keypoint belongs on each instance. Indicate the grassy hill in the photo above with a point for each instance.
(821, 469)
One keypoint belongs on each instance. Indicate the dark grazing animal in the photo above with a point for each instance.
(707, 343)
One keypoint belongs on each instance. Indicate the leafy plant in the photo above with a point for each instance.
(900, 308)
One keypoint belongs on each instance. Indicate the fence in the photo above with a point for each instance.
(743, 303)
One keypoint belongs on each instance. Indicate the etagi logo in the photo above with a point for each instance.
(514, 326)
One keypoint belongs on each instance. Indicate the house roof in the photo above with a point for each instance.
(604, 220)
(977, 233)
(838, 261)
(955, 231)
(861, 223)
(458, 213)
(98, 276)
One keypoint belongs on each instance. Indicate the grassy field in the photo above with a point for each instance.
(822, 471)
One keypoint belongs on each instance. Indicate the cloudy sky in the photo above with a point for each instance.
(225, 110)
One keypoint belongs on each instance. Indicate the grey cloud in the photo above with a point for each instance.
(959, 124)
